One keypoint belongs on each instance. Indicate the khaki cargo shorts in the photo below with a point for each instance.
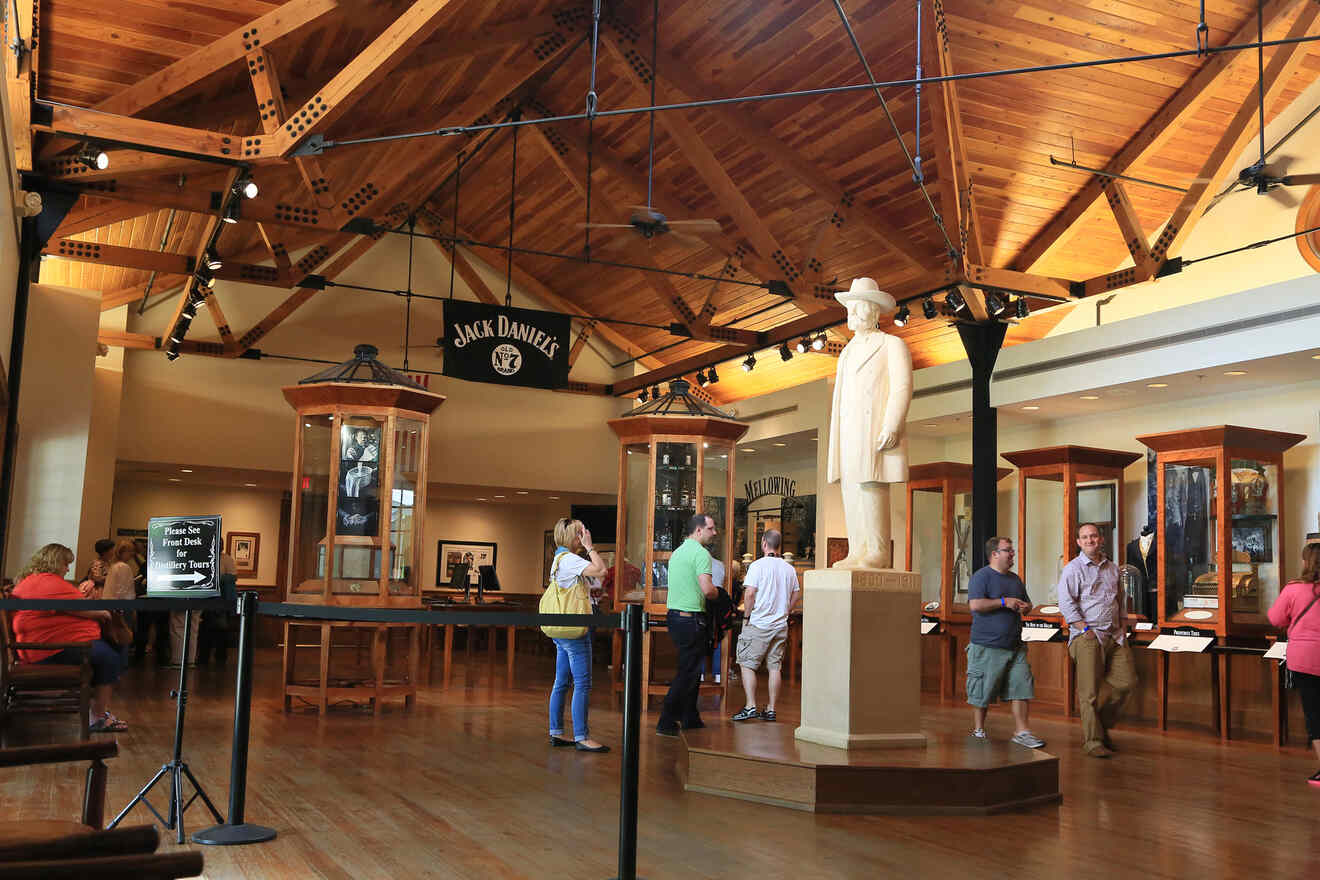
(757, 646)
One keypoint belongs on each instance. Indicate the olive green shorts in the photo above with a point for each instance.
(998, 674)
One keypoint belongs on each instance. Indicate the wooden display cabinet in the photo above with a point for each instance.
(1073, 484)
(676, 459)
(1222, 541)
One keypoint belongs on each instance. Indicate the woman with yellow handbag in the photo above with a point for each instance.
(567, 593)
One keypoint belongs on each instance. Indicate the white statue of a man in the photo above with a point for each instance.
(868, 448)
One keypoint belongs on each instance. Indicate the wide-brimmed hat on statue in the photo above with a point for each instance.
(867, 289)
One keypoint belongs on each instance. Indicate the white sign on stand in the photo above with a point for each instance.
(1181, 644)
(1039, 633)
(928, 626)
(1277, 651)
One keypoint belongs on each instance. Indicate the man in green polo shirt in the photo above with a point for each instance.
(689, 586)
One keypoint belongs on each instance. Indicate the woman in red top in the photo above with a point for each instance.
(1297, 612)
(43, 578)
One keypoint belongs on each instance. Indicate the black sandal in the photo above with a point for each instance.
(561, 743)
(582, 748)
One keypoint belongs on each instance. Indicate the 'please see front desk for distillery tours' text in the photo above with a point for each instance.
(183, 556)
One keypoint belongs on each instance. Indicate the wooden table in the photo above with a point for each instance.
(375, 688)
(470, 607)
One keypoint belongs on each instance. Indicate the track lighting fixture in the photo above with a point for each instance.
(818, 344)
(702, 380)
(902, 316)
(180, 330)
(232, 212)
(712, 375)
(928, 308)
(785, 353)
(642, 397)
(1022, 308)
(93, 157)
(190, 307)
(749, 364)
(171, 354)
(802, 345)
(213, 261)
(955, 301)
(246, 187)
(995, 304)
(655, 392)
(205, 279)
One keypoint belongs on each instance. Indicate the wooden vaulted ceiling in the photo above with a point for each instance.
(811, 190)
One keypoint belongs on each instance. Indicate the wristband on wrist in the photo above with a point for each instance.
(1002, 603)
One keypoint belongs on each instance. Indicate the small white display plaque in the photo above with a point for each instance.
(1181, 644)
(1277, 651)
(927, 626)
(1039, 633)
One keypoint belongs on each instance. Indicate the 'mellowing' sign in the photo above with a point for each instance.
(183, 556)
(506, 346)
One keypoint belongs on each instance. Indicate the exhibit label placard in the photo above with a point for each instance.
(183, 556)
(505, 345)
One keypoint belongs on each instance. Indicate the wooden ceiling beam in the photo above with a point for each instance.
(581, 342)
(159, 261)
(707, 166)
(279, 253)
(762, 137)
(84, 124)
(20, 75)
(199, 198)
(191, 69)
(470, 276)
(373, 64)
(446, 46)
(124, 163)
(1150, 138)
(113, 299)
(1144, 264)
(959, 208)
(85, 218)
(271, 109)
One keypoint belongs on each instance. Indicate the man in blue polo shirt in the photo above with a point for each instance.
(996, 657)
(689, 586)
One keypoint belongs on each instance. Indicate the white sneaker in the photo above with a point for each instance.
(978, 734)
(1028, 739)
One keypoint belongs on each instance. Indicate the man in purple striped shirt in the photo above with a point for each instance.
(1096, 610)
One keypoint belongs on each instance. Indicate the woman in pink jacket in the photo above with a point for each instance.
(1297, 611)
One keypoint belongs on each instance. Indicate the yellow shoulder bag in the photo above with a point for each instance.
(564, 600)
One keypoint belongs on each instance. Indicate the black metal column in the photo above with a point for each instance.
(982, 343)
(29, 248)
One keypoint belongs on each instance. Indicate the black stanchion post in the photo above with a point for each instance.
(632, 732)
(235, 830)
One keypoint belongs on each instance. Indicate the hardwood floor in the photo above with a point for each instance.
(466, 786)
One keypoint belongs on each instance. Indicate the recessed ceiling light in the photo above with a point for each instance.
(930, 425)
(780, 444)
(724, 455)
(522, 492)
(250, 485)
(815, 439)
(185, 470)
(481, 499)
(1090, 397)
(553, 497)
(1235, 372)
(1157, 384)
(175, 480)
(1031, 407)
(307, 424)
(705, 446)
(748, 449)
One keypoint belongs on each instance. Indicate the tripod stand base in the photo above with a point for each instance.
(233, 835)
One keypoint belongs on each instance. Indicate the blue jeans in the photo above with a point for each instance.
(572, 666)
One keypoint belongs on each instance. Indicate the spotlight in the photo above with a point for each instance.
(180, 330)
(749, 364)
(712, 375)
(213, 261)
(641, 398)
(206, 279)
(701, 379)
(955, 301)
(902, 317)
(246, 187)
(655, 392)
(802, 345)
(171, 354)
(232, 212)
(190, 308)
(785, 353)
(818, 344)
(928, 308)
(995, 304)
(93, 157)
(1022, 308)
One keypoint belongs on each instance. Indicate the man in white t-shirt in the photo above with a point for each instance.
(769, 590)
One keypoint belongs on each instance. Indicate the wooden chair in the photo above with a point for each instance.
(43, 687)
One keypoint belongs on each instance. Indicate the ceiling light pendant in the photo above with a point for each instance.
(1022, 308)
(785, 353)
(171, 354)
(955, 301)
(902, 316)
(802, 345)
(232, 212)
(641, 398)
(928, 308)
(180, 330)
(818, 344)
(712, 375)
(702, 379)
(655, 392)
(749, 364)
(205, 278)
(190, 308)
(246, 187)
(213, 261)
(995, 304)
(93, 157)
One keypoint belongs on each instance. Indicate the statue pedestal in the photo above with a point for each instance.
(861, 659)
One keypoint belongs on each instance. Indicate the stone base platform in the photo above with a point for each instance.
(762, 762)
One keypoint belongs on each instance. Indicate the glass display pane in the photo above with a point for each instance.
(675, 494)
(927, 542)
(962, 546)
(357, 508)
(1097, 502)
(635, 538)
(1255, 559)
(1191, 577)
(313, 503)
(715, 502)
(408, 438)
(1045, 558)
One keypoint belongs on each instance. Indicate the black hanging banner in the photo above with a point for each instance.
(505, 345)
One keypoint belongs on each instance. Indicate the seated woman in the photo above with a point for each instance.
(100, 567)
(43, 578)
(573, 656)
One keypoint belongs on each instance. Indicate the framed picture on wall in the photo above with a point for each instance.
(459, 561)
(243, 548)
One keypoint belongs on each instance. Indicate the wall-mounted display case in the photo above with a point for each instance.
(938, 541)
(1060, 487)
(1219, 493)
(359, 485)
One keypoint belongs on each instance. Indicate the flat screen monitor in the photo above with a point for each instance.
(600, 520)
(459, 579)
(489, 580)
